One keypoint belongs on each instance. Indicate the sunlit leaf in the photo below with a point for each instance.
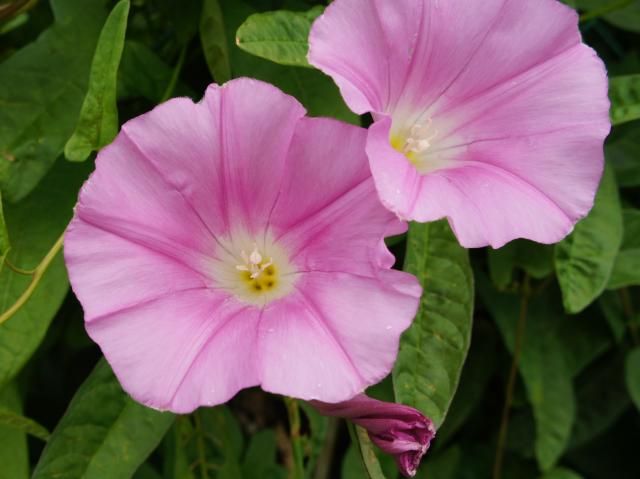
(41, 90)
(433, 349)
(98, 122)
(214, 41)
(632, 375)
(104, 433)
(281, 36)
(584, 260)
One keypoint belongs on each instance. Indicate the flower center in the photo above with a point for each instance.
(416, 144)
(254, 268)
(419, 139)
(260, 275)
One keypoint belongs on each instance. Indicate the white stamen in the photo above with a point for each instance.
(256, 257)
(420, 138)
(253, 263)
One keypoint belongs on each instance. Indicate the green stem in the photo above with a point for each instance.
(599, 12)
(296, 442)
(202, 455)
(37, 275)
(511, 382)
(15, 269)
(168, 93)
(627, 306)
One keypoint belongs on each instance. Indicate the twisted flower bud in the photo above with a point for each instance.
(399, 430)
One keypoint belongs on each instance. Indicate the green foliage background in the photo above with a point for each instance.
(550, 332)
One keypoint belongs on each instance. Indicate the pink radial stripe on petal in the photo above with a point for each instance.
(216, 247)
(314, 342)
(501, 89)
(112, 273)
(164, 349)
(326, 197)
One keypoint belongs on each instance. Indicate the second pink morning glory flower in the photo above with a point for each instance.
(491, 113)
(234, 243)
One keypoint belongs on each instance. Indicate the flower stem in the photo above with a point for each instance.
(627, 306)
(296, 443)
(511, 382)
(36, 276)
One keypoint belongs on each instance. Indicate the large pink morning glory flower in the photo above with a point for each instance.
(491, 113)
(234, 243)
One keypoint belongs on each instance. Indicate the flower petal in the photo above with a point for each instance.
(368, 58)
(254, 123)
(337, 336)
(331, 218)
(109, 272)
(485, 204)
(528, 117)
(179, 351)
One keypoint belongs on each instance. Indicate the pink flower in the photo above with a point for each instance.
(234, 243)
(399, 430)
(491, 113)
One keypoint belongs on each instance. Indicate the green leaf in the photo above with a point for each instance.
(316, 91)
(103, 434)
(320, 427)
(13, 420)
(98, 122)
(434, 348)
(214, 41)
(208, 439)
(624, 92)
(544, 369)
(621, 152)
(632, 375)
(143, 74)
(585, 337)
(261, 457)
(602, 399)
(533, 258)
(623, 14)
(613, 311)
(35, 224)
(281, 36)
(443, 465)
(13, 442)
(561, 473)
(478, 369)
(5, 244)
(626, 269)
(368, 454)
(41, 90)
(584, 260)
